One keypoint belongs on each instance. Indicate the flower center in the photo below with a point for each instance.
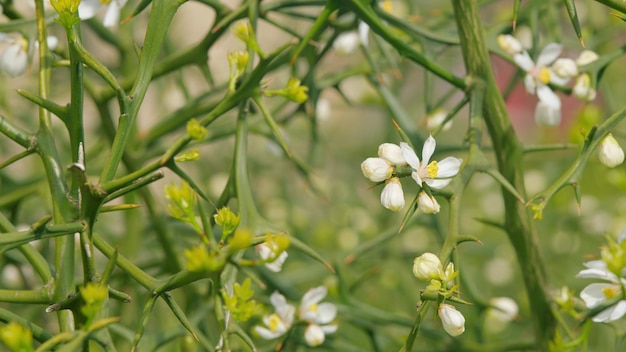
(313, 307)
(432, 169)
(105, 2)
(274, 322)
(610, 292)
(544, 75)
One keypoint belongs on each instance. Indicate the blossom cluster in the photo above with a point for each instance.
(317, 317)
(394, 161)
(548, 69)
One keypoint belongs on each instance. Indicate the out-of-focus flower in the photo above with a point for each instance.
(582, 88)
(501, 311)
(317, 315)
(435, 174)
(452, 320)
(346, 43)
(598, 293)
(89, 8)
(269, 250)
(538, 75)
(427, 204)
(610, 152)
(278, 323)
(14, 58)
(427, 267)
(565, 68)
(510, 44)
(586, 57)
(436, 118)
(392, 196)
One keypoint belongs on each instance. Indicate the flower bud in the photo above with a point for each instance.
(427, 204)
(435, 119)
(14, 59)
(16, 337)
(346, 43)
(391, 153)
(227, 220)
(314, 335)
(586, 57)
(582, 88)
(452, 320)
(392, 196)
(510, 44)
(376, 169)
(501, 312)
(610, 152)
(565, 68)
(195, 130)
(426, 267)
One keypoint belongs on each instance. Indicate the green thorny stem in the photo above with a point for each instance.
(509, 152)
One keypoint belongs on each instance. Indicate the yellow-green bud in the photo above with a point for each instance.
(296, 92)
(196, 130)
(199, 259)
(238, 60)
(240, 304)
(227, 220)
(181, 200)
(190, 155)
(94, 296)
(17, 337)
(68, 11)
(242, 239)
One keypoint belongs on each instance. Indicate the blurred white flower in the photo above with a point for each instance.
(14, 58)
(436, 118)
(427, 267)
(501, 311)
(610, 152)
(317, 315)
(510, 44)
(89, 8)
(392, 196)
(267, 250)
(565, 68)
(278, 323)
(323, 109)
(436, 175)
(586, 57)
(452, 320)
(598, 293)
(346, 43)
(582, 88)
(538, 75)
(427, 204)
(376, 169)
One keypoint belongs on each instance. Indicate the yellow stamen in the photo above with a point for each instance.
(544, 75)
(105, 2)
(274, 321)
(313, 307)
(610, 292)
(432, 169)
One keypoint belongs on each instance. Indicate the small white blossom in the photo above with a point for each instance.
(14, 58)
(565, 68)
(510, 44)
(582, 88)
(346, 43)
(267, 251)
(610, 152)
(597, 293)
(364, 31)
(586, 57)
(427, 267)
(452, 320)
(435, 174)
(391, 153)
(435, 119)
(376, 169)
(278, 323)
(538, 75)
(427, 204)
(317, 315)
(392, 196)
(89, 8)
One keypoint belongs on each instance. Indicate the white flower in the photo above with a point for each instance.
(596, 294)
(510, 44)
(14, 58)
(317, 315)
(391, 153)
(586, 57)
(610, 152)
(452, 320)
(582, 88)
(392, 196)
(346, 43)
(436, 118)
(279, 322)
(547, 114)
(538, 75)
(364, 31)
(427, 204)
(565, 68)
(89, 8)
(427, 266)
(376, 169)
(436, 175)
(267, 251)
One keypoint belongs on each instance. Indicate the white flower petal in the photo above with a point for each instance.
(409, 155)
(449, 167)
(428, 149)
(611, 314)
(417, 178)
(597, 274)
(88, 8)
(313, 296)
(596, 264)
(329, 329)
(314, 335)
(112, 16)
(545, 94)
(326, 312)
(549, 53)
(346, 43)
(14, 60)
(547, 115)
(266, 333)
(524, 61)
(530, 84)
(364, 30)
(437, 183)
(593, 295)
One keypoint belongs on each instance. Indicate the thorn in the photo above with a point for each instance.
(126, 19)
(582, 42)
(396, 124)
(330, 267)
(514, 24)
(349, 259)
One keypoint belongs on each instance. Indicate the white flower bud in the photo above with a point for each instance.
(610, 152)
(504, 309)
(392, 196)
(427, 204)
(452, 320)
(346, 43)
(565, 68)
(436, 118)
(392, 153)
(14, 59)
(376, 169)
(547, 114)
(582, 88)
(586, 57)
(510, 44)
(314, 335)
(426, 267)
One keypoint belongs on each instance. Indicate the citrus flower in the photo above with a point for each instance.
(610, 153)
(435, 174)
(14, 58)
(317, 315)
(427, 266)
(538, 76)
(268, 250)
(278, 323)
(392, 196)
(89, 8)
(452, 320)
(598, 293)
(427, 204)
